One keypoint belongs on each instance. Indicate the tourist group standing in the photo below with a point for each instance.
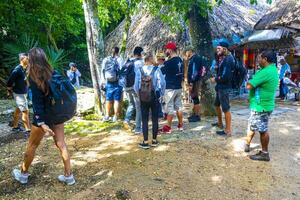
(153, 87)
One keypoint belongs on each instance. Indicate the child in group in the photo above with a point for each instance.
(149, 85)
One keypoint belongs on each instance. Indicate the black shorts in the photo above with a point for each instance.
(222, 99)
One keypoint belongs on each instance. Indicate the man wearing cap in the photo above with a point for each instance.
(173, 71)
(223, 79)
(74, 75)
(195, 70)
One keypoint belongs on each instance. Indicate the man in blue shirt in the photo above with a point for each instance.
(284, 68)
(223, 88)
(17, 86)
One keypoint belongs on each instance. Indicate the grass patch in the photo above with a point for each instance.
(84, 128)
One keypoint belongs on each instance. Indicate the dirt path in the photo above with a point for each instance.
(194, 164)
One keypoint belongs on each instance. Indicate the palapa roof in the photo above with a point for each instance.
(231, 17)
(284, 14)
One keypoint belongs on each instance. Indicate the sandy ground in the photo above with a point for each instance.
(194, 164)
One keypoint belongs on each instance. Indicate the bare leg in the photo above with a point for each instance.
(35, 138)
(16, 118)
(108, 107)
(59, 140)
(250, 135)
(197, 109)
(264, 139)
(25, 119)
(228, 122)
(117, 108)
(169, 120)
(219, 113)
(180, 117)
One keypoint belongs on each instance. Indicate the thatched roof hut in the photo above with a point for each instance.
(284, 14)
(278, 28)
(232, 17)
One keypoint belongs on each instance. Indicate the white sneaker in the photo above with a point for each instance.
(115, 119)
(105, 119)
(19, 176)
(69, 180)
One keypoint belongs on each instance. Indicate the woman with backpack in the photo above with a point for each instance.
(149, 85)
(41, 79)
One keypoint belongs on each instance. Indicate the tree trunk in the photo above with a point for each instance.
(51, 38)
(202, 41)
(95, 45)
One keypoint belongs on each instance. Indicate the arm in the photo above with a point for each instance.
(249, 86)
(11, 79)
(38, 104)
(78, 73)
(137, 80)
(69, 74)
(161, 82)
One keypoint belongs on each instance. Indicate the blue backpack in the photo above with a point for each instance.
(63, 100)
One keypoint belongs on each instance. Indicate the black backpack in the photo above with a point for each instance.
(63, 100)
(128, 72)
(239, 74)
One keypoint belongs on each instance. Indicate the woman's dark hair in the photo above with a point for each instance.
(40, 71)
(269, 55)
(138, 51)
(116, 51)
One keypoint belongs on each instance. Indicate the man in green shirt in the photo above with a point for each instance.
(262, 88)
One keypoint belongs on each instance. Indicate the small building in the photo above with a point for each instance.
(279, 30)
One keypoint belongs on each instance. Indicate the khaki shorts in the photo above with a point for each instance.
(173, 101)
(21, 101)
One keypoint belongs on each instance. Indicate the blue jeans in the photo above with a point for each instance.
(134, 104)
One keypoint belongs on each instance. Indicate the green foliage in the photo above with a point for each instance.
(83, 128)
(12, 50)
(56, 58)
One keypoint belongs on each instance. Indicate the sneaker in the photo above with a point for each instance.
(17, 130)
(247, 148)
(180, 127)
(138, 132)
(69, 180)
(155, 143)
(194, 118)
(105, 119)
(222, 133)
(144, 145)
(114, 119)
(216, 124)
(260, 156)
(166, 129)
(27, 133)
(19, 176)
(126, 125)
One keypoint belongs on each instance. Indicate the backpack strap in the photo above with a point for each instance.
(153, 71)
